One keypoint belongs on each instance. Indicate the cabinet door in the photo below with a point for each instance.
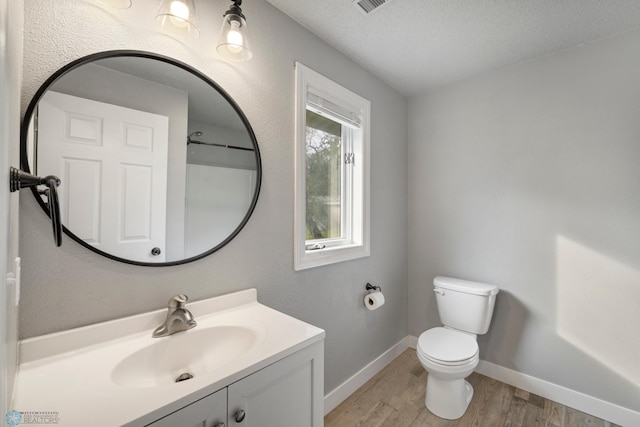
(210, 411)
(288, 393)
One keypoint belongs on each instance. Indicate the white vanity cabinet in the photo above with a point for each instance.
(287, 393)
(210, 411)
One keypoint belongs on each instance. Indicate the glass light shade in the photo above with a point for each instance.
(178, 18)
(118, 4)
(233, 42)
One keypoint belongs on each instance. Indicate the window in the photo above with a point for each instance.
(332, 172)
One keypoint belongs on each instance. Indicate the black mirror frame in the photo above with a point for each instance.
(139, 54)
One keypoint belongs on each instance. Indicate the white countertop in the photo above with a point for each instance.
(68, 376)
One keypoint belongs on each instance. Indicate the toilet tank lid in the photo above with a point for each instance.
(466, 286)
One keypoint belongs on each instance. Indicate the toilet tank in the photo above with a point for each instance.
(465, 305)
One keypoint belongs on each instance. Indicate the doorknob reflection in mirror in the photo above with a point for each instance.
(19, 179)
(239, 415)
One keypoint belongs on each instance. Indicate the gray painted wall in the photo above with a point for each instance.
(10, 77)
(528, 177)
(71, 286)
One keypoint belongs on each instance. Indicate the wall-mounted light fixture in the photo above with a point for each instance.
(233, 42)
(178, 17)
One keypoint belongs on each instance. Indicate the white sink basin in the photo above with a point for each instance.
(195, 352)
(85, 373)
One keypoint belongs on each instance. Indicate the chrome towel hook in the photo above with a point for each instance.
(19, 179)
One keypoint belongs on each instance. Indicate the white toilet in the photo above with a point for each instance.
(450, 353)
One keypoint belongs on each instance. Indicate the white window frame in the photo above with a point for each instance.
(356, 214)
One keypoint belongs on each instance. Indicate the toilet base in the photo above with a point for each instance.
(448, 399)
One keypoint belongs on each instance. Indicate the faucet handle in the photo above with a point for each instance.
(178, 301)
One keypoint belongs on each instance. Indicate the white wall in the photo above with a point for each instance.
(217, 201)
(71, 286)
(529, 177)
(10, 70)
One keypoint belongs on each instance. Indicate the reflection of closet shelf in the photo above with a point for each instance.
(215, 144)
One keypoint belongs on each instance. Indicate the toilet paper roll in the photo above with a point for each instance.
(374, 300)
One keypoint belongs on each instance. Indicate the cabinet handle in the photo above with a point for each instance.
(239, 415)
(219, 425)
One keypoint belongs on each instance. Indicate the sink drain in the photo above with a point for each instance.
(184, 377)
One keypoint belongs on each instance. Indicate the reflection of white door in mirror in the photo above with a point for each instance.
(113, 163)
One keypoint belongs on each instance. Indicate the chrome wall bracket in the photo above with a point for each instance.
(19, 179)
(369, 287)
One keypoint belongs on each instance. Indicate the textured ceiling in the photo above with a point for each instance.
(416, 45)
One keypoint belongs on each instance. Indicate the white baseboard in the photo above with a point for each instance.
(347, 388)
(411, 341)
(574, 399)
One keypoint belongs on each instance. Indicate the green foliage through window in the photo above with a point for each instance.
(323, 178)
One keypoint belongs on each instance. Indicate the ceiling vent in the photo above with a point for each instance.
(369, 6)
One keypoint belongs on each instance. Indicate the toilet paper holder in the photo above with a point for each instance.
(369, 287)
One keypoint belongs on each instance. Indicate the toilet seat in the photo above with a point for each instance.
(447, 347)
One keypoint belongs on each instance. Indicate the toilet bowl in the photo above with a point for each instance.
(449, 357)
(450, 353)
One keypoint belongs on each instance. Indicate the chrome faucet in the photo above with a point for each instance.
(178, 318)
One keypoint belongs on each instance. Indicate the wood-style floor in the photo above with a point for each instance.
(395, 398)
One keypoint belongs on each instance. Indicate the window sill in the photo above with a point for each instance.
(330, 255)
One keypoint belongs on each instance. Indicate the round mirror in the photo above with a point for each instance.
(159, 166)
